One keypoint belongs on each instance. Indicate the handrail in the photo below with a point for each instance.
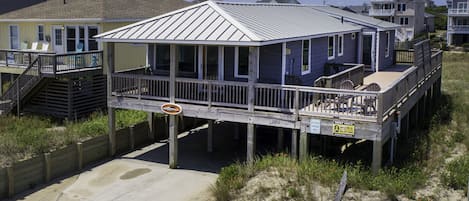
(348, 74)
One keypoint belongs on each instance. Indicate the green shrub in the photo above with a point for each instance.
(457, 173)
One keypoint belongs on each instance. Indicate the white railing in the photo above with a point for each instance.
(382, 12)
(458, 28)
(458, 11)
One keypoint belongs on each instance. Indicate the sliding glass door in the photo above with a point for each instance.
(80, 38)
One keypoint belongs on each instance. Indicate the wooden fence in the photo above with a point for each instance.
(29, 174)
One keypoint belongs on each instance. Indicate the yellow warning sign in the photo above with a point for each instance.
(343, 129)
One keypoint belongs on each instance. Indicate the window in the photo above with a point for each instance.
(404, 21)
(40, 32)
(162, 57)
(71, 38)
(401, 7)
(354, 35)
(241, 62)
(340, 39)
(331, 48)
(305, 58)
(462, 7)
(92, 43)
(387, 44)
(187, 59)
(58, 37)
(14, 37)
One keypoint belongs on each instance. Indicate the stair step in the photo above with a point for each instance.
(5, 102)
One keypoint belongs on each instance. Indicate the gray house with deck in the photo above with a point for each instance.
(306, 70)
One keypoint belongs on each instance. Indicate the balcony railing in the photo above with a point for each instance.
(51, 63)
(289, 99)
(458, 11)
(381, 12)
(456, 28)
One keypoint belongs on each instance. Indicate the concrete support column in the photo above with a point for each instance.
(210, 136)
(280, 139)
(377, 156)
(304, 145)
(251, 142)
(294, 143)
(112, 130)
(173, 141)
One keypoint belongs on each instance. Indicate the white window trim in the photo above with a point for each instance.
(309, 57)
(236, 64)
(341, 39)
(388, 38)
(43, 33)
(9, 35)
(333, 48)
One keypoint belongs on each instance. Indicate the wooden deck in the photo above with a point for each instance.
(386, 77)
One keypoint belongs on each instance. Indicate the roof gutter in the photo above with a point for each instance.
(71, 20)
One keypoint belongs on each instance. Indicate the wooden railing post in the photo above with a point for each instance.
(139, 85)
(380, 108)
(297, 103)
(18, 103)
(209, 94)
(54, 67)
(6, 58)
(11, 181)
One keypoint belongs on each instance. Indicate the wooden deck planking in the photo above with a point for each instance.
(387, 76)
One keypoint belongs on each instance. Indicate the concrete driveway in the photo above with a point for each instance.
(144, 174)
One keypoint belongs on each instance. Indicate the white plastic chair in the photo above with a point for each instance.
(45, 47)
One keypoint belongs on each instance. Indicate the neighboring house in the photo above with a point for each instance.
(458, 22)
(279, 1)
(358, 9)
(67, 27)
(430, 22)
(410, 14)
(295, 67)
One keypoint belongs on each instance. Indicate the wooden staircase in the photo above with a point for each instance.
(25, 82)
(46, 67)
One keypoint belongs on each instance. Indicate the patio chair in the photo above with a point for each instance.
(342, 99)
(45, 47)
(368, 101)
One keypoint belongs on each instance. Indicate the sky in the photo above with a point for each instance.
(340, 2)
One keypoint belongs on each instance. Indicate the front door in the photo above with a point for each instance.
(14, 37)
(367, 45)
(58, 39)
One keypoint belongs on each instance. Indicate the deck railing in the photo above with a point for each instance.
(19, 58)
(403, 56)
(355, 73)
(51, 63)
(289, 99)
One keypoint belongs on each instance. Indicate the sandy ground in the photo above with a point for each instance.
(144, 174)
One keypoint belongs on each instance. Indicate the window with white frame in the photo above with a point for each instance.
(401, 7)
(340, 40)
(306, 57)
(14, 37)
(40, 32)
(241, 62)
(80, 38)
(388, 43)
(404, 21)
(331, 48)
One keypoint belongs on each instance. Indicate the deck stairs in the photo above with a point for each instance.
(21, 87)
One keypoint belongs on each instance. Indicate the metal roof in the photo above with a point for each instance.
(356, 18)
(232, 24)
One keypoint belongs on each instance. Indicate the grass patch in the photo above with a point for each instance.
(457, 173)
(392, 181)
(29, 135)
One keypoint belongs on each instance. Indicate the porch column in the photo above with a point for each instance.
(111, 111)
(360, 48)
(450, 39)
(377, 156)
(210, 136)
(294, 143)
(377, 52)
(252, 79)
(251, 145)
(173, 124)
(304, 144)
(280, 139)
